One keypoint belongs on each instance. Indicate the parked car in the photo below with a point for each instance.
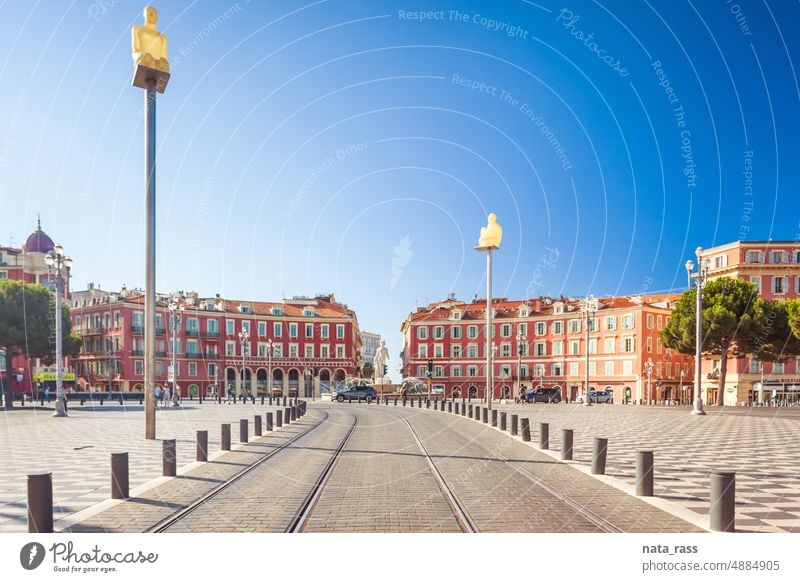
(367, 393)
(543, 395)
(603, 397)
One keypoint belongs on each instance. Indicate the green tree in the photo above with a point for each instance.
(25, 327)
(775, 340)
(730, 322)
(793, 308)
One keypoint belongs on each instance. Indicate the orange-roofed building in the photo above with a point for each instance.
(542, 342)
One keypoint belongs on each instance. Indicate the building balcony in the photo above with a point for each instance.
(138, 353)
(138, 329)
(192, 333)
(194, 355)
(161, 354)
(161, 330)
(211, 334)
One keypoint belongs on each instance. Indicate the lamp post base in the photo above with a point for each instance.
(698, 408)
(60, 410)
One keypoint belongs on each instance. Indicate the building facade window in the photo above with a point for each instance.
(438, 332)
(627, 367)
(557, 327)
(293, 330)
(558, 348)
(455, 351)
(756, 280)
(472, 351)
(628, 345)
(627, 321)
(609, 368)
(472, 371)
(574, 326)
(505, 350)
(540, 349)
(609, 345)
(339, 331)
(574, 347)
(455, 332)
(455, 371)
(423, 350)
(324, 331)
(309, 330)
(138, 367)
(422, 332)
(472, 331)
(309, 348)
(438, 350)
(339, 351)
(277, 329)
(557, 370)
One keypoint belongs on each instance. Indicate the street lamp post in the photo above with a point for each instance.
(700, 278)
(680, 390)
(648, 366)
(520, 344)
(489, 241)
(175, 311)
(269, 367)
(59, 262)
(589, 307)
(244, 335)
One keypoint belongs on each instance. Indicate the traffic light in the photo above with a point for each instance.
(385, 370)
(430, 366)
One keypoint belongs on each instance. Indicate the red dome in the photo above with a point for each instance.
(39, 242)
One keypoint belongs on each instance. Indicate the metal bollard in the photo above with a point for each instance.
(270, 426)
(427, 403)
(243, 430)
(287, 416)
(262, 400)
(169, 461)
(395, 401)
(40, 503)
(599, 456)
(412, 403)
(257, 425)
(544, 435)
(120, 400)
(723, 501)
(119, 476)
(284, 401)
(514, 425)
(463, 409)
(293, 411)
(494, 417)
(404, 401)
(458, 409)
(644, 473)
(225, 438)
(566, 444)
(270, 401)
(202, 446)
(470, 410)
(526, 430)
(278, 418)
(450, 407)
(436, 405)
(503, 424)
(485, 415)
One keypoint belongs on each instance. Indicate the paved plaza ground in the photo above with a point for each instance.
(381, 483)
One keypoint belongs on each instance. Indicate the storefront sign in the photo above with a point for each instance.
(51, 376)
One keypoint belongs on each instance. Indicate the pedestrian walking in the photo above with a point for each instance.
(165, 395)
(157, 394)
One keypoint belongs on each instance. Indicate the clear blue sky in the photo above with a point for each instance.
(349, 146)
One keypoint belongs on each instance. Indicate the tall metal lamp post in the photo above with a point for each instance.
(680, 390)
(175, 319)
(589, 307)
(489, 241)
(59, 262)
(151, 73)
(269, 367)
(648, 367)
(244, 336)
(520, 345)
(700, 280)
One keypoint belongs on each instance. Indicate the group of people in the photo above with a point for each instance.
(162, 395)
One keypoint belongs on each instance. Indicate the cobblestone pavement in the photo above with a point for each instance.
(759, 444)
(76, 450)
(382, 481)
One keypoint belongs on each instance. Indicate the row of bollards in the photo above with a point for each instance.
(723, 483)
(40, 486)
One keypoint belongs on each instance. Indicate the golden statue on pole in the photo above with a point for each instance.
(149, 52)
(491, 234)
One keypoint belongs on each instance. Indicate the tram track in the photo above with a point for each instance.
(175, 517)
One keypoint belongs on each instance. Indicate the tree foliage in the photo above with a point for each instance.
(776, 340)
(730, 322)
(25, 326)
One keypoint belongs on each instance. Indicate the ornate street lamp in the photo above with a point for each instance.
(244, 336)
(700, 279)
(58, 262)
(589, 307)
(520, 345)
(175, 318)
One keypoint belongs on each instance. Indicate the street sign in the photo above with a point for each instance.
(170, 373)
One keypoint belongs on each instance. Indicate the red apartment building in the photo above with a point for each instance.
(623, 336)
(307, 343)
(27, 264)
(774, 267)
